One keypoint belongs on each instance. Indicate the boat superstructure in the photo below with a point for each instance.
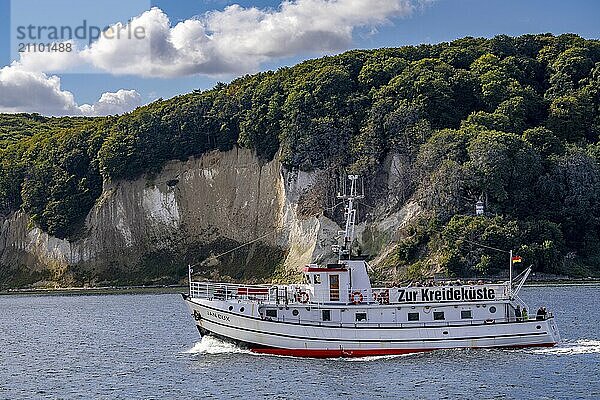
(336, 312)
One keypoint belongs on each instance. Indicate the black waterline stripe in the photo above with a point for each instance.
(373, 340)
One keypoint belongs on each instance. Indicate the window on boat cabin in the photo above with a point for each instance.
(438, 316)
(466, 314)
(334, 287)
(307, 279)
(317, 279)
(271, 313)
(413, 316)
(326, 315)
(361, 316)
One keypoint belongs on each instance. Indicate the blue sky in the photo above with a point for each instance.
(437, 21)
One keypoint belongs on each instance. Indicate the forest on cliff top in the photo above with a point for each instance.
(514, 121)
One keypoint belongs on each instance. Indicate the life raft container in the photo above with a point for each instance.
(382, 297)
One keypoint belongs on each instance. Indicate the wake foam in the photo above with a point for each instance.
(212, 345)
(373, 358)
(377, 358)
(575, 347)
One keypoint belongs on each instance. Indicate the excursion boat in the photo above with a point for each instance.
(336, 313)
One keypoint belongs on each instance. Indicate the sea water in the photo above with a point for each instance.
(147, 347)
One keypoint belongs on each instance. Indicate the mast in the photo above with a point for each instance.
(344, 248)
(510, 274)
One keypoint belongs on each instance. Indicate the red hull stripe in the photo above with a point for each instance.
(317, 353)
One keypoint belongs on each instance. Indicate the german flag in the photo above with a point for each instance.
(516, 259)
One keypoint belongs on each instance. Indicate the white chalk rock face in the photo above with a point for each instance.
(230, 196)
(160, 207)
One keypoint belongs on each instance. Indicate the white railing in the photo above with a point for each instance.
(305, 294)
(299, 294)
(227, 291)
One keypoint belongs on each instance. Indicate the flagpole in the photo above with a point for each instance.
(510, 273)
(190, 278)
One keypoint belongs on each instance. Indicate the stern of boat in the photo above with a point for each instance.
(553, 330)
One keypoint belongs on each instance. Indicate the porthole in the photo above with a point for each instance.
(230, 308)
(295, 313)
(445, 332)
(492, 309)
(242, 309)
(538, 327)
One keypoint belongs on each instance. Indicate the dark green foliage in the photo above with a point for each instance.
(540, 243)
(544, 141)
(61, 182)
(571, 117)
(504, 168)
(14, 127)
(460, 239)
(511, 121)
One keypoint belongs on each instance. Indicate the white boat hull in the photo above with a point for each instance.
(312, 340)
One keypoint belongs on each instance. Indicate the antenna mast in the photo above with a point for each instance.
(344, 247)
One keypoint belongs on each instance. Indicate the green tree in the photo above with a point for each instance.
(505, 169)
(570, 117)
(544, 141)
(462, 239)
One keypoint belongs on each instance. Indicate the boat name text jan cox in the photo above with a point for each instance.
(219, 316)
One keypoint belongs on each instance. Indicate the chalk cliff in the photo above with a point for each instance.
(151, 228)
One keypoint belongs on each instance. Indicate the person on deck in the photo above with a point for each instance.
(525, 316)
(540, 314)
(518, 313)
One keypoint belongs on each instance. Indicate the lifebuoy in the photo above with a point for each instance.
(302, 297)
(354, 299)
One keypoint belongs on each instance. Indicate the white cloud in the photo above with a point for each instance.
(29, 91)
(113, 103)
(51, 61)
(234, 40)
